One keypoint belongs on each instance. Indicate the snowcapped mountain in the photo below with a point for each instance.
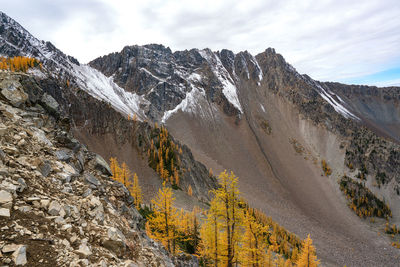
(16, 41)
(252, 114)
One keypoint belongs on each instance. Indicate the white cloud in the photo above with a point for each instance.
(329, 40)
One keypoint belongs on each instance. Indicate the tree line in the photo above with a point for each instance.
(229, 234)
(19, 63)
(123, 175)
(164, 156)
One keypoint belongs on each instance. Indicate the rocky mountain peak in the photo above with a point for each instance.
(17, 41)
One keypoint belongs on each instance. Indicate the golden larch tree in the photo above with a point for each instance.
(115, 169)
(254, 242)
(135, 190)
(307, 257)
(210, 234)
(225, 220)
(190, 190)
(125, 174)
(161, 225)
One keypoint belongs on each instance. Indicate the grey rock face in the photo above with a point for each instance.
(16, 41)
(164, 78)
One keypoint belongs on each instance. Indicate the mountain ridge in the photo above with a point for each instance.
(230, 109)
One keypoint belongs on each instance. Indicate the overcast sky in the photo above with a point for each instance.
(354, 41)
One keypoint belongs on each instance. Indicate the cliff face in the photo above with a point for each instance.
(164, 78)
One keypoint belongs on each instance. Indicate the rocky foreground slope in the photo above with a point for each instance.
(58, 204)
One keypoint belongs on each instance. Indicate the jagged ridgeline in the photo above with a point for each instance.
(223, 110)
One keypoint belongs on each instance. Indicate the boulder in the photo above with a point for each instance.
(3, 131)
(102, 165)
(115, 234)
(25, 209)
(12, 93)
(63, 155)
(4, 212)
(50, 104)
(3, 171)
(8, 187)
(84, 250)
(89, 178)
(117, 247)
(54, 208)
(44, 203)
(10, 248)
(95, 201)
(19, 256)
(22, 185)
(40, 136)
(45, 168)
(5, 199)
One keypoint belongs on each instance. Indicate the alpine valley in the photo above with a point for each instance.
(318, 158)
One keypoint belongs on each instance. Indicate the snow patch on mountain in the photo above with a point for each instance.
(229, 89)
(195, 77)
(152, 75)
(335, 104)
(191, 103)
(255, 62)
(103, 88)
(244, 63)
